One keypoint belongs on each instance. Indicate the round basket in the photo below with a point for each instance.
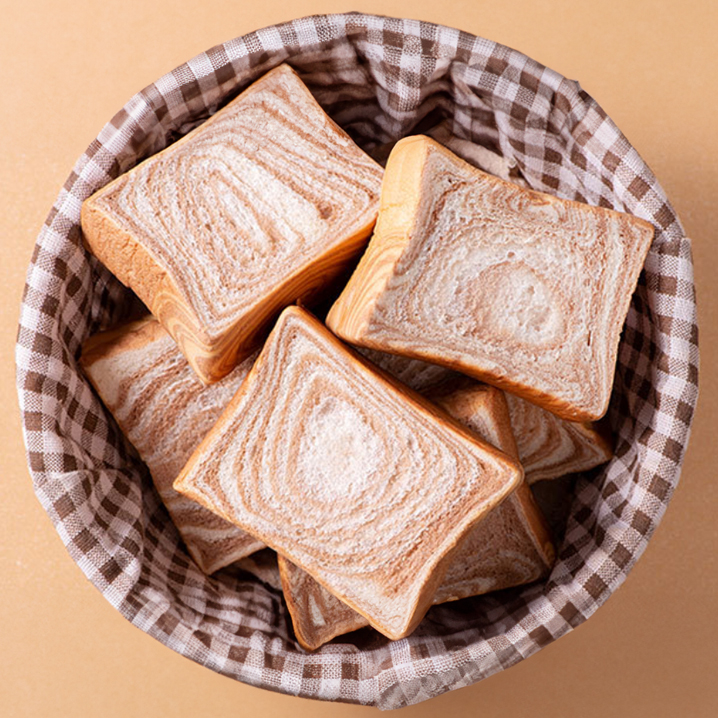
(379, 78)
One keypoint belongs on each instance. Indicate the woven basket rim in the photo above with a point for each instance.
(48, 382)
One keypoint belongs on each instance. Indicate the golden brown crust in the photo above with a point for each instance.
(324, 543)
(130, 240)
(133, 335)
(350, 315)
(388, 302)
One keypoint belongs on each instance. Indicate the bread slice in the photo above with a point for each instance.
(550, 447)
(165, 411)
(418, 375)
(513, 287)
(366, 486)
(511, 546)
(262, 205)
(317, 615)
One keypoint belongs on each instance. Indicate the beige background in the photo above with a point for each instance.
(66, 67)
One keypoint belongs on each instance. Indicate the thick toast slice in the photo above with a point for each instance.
(513, 287)
(262, 205)
(165, 411)
(360, 482)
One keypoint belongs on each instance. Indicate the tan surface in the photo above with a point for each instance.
(67, 67)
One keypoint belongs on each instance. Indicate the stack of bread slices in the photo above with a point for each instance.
(385, 454)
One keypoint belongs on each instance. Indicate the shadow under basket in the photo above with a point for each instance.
(380, 79)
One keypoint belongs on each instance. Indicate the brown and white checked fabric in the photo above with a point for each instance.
(380, 78)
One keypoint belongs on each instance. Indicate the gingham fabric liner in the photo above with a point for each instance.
(380, 78)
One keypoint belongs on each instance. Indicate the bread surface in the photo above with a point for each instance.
(512, 545)
(550, 447)
(262, 205)
(165, 411)
(514, 287)
(418, 375)
(317, 614)
(326, 461)
(509, 547)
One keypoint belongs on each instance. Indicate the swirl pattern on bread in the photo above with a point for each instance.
(517, 288)
(355, 479)
(165, 411)
(262, 205)
(509, 547)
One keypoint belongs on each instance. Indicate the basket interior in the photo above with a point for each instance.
(380, 79)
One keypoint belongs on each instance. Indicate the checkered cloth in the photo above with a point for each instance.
(380, 79)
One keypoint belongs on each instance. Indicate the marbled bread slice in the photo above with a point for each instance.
(165, 411)
(551, 447)
(262, 205)
(509, 547)
(418, 375)
(548, 447)
(513, 287)
(360, 482)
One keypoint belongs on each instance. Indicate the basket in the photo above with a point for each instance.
(380, 79)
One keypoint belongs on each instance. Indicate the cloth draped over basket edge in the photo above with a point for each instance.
(379, 78)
